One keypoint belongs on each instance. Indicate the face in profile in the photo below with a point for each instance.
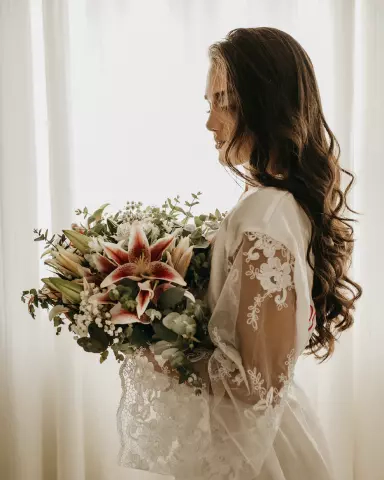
(222, 118)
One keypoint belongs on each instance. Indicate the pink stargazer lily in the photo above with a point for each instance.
(103, 264)
(141, 261)
(119, 316)
(144, 297)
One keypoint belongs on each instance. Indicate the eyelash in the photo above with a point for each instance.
(224, 109)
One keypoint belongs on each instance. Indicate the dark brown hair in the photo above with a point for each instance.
(277, 102)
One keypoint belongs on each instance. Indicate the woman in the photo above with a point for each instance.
(279, 283)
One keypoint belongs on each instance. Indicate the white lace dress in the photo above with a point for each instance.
(252, 421)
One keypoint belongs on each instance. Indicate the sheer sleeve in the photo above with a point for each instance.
(254, 329)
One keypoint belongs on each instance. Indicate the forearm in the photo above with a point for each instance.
(200, 368)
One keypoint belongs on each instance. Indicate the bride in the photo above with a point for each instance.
(279, 284)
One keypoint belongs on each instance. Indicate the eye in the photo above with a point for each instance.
(208, 111)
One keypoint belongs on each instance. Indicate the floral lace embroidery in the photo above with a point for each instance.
(254, 310)
(271, 403)
(274, 275)
(166, 430)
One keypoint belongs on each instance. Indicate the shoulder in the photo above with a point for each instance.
(272, 212)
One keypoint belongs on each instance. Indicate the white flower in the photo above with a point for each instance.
(96, 245)
(150, 228)
(275, 276)
(123, 231)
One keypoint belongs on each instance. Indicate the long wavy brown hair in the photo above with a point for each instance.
(272, 81)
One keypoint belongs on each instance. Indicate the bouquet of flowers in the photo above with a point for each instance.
(130, 280)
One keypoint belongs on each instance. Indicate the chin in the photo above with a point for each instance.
(234, 161)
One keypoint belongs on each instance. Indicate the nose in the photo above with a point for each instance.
(212, 125)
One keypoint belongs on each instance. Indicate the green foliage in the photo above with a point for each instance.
(171, 298)
(60, 290)
(141, 335)
(96, 333)
(163, 333)
(91, 345)
(104, 356)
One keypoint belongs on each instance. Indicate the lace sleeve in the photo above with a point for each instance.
(253, 328)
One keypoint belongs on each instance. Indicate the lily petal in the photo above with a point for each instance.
(124, 271)
(119, 316)
(57, 310)
(70, 290)
(78, 240)
(162, 271)
(169, 259)
(180, 249)
(56, 265)
(116, 253)
(185, 260)
(72, 256)
(144, 297)
(101, 299)
(86, 285)
(103, 264)
(138, 246)
(158, 247)
(190, 296)
(66, 261)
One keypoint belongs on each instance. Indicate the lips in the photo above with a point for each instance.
(219, 144)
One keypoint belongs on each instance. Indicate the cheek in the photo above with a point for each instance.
(231, 157)
(236, 157)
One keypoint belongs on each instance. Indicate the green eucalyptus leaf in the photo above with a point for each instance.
(190, 227)
(97, 215)
(179, 209)
(141, 335)
(98, 334)
(202, 245)
(170, 298)
(163, 333)
(57, 321)
(218, 214)
(91, 345)
(99, 229)
(104, 356)
(126, 348)
(112, 226)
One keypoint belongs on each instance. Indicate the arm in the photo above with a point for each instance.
(254, 328)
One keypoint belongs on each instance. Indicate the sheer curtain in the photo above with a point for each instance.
(102, 101)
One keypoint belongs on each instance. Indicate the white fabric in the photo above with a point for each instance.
(90, 90)
(253, 420)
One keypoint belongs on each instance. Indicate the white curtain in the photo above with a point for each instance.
(102, 101)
